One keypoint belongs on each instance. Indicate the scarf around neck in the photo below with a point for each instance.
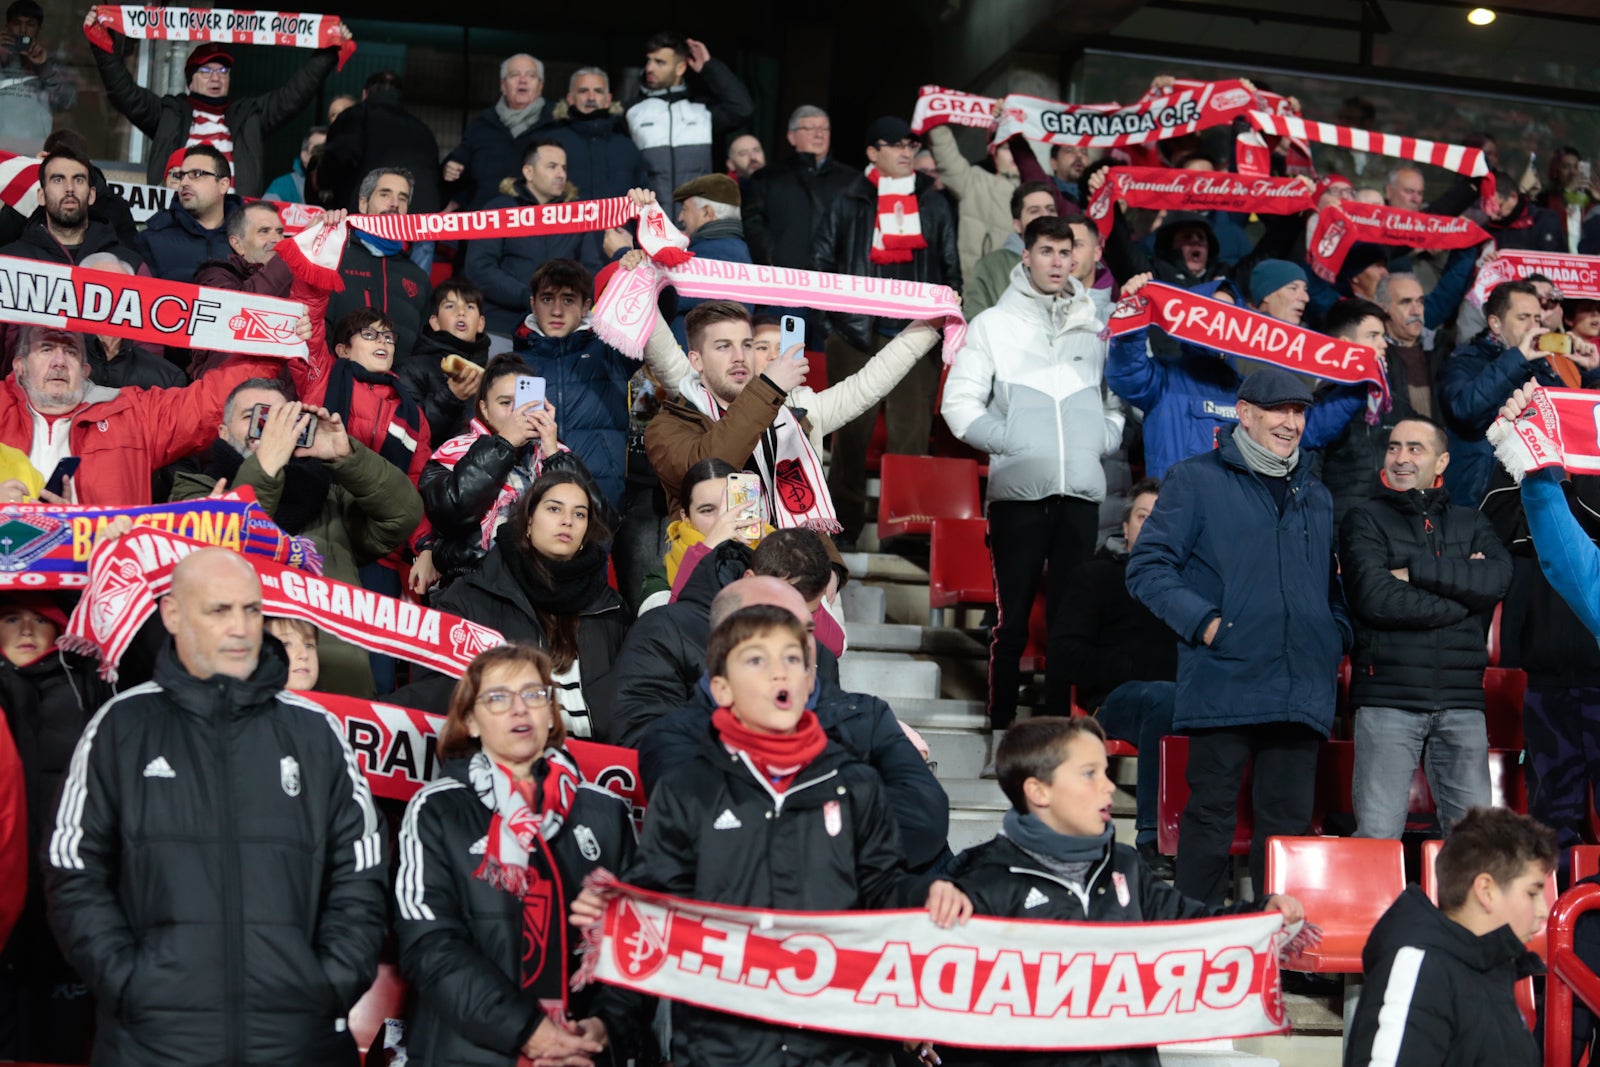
(529, 465)
(517, 857)
(400, 439)
(1030, 833)
(519, 120)
(566, 586)
(897, 231)
(781, 757)
(1263, 460)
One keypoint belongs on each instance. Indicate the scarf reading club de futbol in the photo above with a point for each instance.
(897, 225)
(48, 546)
(988, 983)
(1578, 277)
(1195, 190)
(1248, 334)
(1559, 429)
(1342, 224)
(127, 575)
(284, 29)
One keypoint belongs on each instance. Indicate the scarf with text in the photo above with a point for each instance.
(626, 312)
(313, 254)
(1246, 334)
(779, 757)
(1558, 429)
(1196, 190)
(1341, 225)
(151, 310)
(897, 229)
(49, 546)
(1160, 115)
(281, 28)
(129, 573)
(1578, 277)
(895, 975)
(937, 106)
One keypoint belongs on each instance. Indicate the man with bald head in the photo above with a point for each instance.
(216, 834)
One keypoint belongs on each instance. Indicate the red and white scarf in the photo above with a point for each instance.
(1341, 225)
(1239, 331)
(281, 28)
(1189, 107)
(937, 106)
(208, 125)
(1196, 190)
(129, 573)
(895, 975)
(1559, 429)
(897, 231)
(1578, 277)
(19, 182)
(451, 452)
(515, 824)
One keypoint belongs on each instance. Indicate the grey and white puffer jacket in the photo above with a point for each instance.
(674, 128)
(1028, 389)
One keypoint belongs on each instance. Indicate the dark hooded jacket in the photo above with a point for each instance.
(422, 375)
(602, 160)
(503, 266)
(1529, 228)
(1436, 993)
(174, 244)
(587, 382)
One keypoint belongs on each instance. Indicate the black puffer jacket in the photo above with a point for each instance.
(461, 939)
(429, 386)
(1441, 994)
(1111, 637)
(1419, 642)
(1006, 882)
(844, 243)
(777, 856)
(216, 872)
(379, 131)
(785, 201)
(492, 596)
(392, 284)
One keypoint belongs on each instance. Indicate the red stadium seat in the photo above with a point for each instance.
(915, 490)
(959, 569)
(1345, 883)
(1494, 636)
(1503, 692)
(1113, 747)
(385, 1000)
(1173, 796)
(1585, 861)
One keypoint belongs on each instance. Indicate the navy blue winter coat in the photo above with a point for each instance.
(722, 239)
(587, 381)
(602, 159)
(503, 266)
(1478, 378)
(174, 244)
(1217, 546)
(490, 155)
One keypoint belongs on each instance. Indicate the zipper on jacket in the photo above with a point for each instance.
(1088, 883)
(777, 797)
(232, 907)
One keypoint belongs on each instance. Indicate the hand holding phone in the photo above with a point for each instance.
(64, 470)
(744, 500)
(792, 333)
(530, 390)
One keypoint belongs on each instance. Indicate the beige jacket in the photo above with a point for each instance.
(985, 199)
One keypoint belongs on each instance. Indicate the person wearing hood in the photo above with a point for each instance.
(1027, 390)
(496, 141)
(1238, 559)
(1440, 980)
(216, 833)
(502, 266)
(207, 113)
(673, 127)
(380, 132)
(1519, 224)
(195, 229)
(456, 328)
(602, 160)
(991, 275)
(1421, 576)
(1188, 402)
(708, 214)
(63, 229)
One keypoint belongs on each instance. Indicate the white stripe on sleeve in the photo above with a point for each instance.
(1396, 1007)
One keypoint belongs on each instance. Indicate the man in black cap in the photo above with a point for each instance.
(888, 224)
(1238, 558)
(32, 85)
(207, 114)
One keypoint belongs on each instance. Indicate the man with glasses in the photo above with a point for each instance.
(890, 223)
(195, 228)
(673, 127)
(786, 202)
(376, 275)
(207, 113)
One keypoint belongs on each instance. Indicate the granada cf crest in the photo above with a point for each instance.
(640, 946)
(794, 488)
(252, 325)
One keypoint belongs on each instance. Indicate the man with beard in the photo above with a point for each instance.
(602, 160)
(356, 505)
(674, 128)
(745, 158)
(176, 241)
(375, 274)
(61, 230)
(494, 143)
(1067, 164)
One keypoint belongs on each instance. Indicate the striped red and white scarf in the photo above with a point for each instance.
(897, 231)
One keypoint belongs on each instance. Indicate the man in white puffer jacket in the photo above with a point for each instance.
(1028, 390)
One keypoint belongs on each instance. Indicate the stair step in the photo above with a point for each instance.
(883, 566)
(940, 714)
(864, 605)
(908, 637)
(983, 794)
(890, 676)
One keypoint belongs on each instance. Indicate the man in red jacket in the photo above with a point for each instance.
(50, 410)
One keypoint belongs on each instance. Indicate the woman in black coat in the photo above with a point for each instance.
(491, 856)
(545, 583)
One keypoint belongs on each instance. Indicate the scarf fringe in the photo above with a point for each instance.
(497, 875)
(304, 555)
(603, 882)
(672, 256)
(1298, 942)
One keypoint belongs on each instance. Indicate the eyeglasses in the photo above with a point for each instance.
(211, 70)
(500, 701)
(375, 335)
(907, 142)
(813, 129)
(1551, 301)
(194, 174)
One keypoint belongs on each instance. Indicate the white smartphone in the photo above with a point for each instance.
(744, 497)
(529, 391)
(792, 331)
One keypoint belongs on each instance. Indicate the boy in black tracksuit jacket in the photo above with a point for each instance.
(724, 829)
(1440, 980)
(1056, 857)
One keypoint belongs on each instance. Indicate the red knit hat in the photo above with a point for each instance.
(41, 604)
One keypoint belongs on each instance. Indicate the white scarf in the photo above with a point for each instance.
(897, 233)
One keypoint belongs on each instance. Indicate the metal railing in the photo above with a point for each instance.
(1569, 975)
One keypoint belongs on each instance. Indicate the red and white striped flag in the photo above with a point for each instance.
(19, 182)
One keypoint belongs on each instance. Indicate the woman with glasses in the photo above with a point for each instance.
(492, 855)
(544, 583)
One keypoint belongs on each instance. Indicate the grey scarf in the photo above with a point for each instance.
(1064, 855)
(519, 121)
(1261, 459)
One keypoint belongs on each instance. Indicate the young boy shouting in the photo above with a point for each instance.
(1056, 857)
(771, 814)
(1441, 980)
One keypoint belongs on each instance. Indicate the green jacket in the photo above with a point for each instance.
(990, 277)
(370, 511)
